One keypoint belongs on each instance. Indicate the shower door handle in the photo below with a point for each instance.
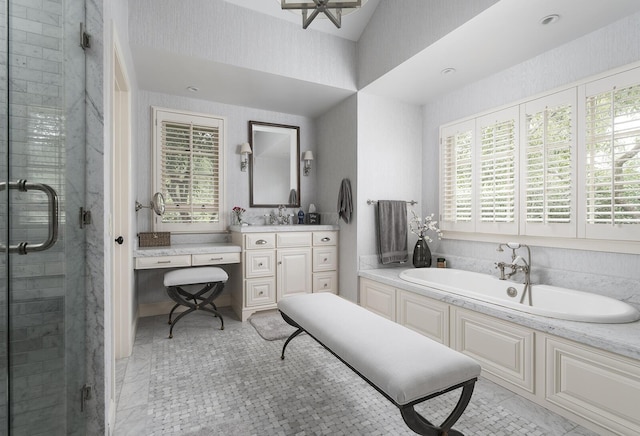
(52, 200)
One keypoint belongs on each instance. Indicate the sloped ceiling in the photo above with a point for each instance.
(505, 34)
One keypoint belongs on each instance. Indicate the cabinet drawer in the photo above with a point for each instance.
(325, 282)
(163, 261)
(214, 258)
(325, 259)
(260, 263)
(260, 291)
(325, 238)
(294, 239)
(259, 241)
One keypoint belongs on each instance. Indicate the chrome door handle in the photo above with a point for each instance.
(52, 199)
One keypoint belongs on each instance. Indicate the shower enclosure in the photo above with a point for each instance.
(42, 179)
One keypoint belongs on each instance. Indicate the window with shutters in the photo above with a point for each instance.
(612, 158)
(457, 177)
(549, 171)
(564, 165)
(497, 161)
(188, 170)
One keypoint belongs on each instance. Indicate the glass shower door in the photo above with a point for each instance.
(42, 274)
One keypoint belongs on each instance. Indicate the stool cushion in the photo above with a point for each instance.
(194, 276)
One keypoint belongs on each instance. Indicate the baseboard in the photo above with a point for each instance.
(164, 307)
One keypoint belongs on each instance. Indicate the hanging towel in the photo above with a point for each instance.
(392, 231)
(345, 203)
(293, 197)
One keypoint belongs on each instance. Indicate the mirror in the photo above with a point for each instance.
(274, 165)
(157, 204)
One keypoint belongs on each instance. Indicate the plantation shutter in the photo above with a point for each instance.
(189, 172)
(456, 170)
(497, 162)
(549, 166)
(612, 167)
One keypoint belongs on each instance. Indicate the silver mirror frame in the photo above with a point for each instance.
(157, 204)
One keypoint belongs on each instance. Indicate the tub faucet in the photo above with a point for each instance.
(518, 264)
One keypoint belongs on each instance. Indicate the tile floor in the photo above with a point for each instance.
(207, 381)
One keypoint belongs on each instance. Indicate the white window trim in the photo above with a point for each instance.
(159, 113)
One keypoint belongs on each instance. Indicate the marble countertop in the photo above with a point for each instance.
(285, 228)
(173, 250)
(623, 339)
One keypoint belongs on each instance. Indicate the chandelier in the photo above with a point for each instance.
(333, 9)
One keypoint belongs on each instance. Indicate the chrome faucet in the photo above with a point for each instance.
(518, 264)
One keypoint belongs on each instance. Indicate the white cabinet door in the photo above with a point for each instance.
(378, 298)
(424, 315)
(294, 272)
(504, 350)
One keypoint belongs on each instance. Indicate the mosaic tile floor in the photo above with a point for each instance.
(207, 381)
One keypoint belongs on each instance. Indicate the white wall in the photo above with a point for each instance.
(389, 163)
(612, 46)
(336, 159)
(223, 32)
(401, 28)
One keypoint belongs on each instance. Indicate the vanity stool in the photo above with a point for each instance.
(213, 279)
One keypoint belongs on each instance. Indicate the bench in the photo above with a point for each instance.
(404, 366)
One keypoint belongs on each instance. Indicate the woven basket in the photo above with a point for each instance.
(154, 239)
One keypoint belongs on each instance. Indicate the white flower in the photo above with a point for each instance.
(420, 228)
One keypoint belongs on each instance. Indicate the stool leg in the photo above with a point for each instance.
(171, 313)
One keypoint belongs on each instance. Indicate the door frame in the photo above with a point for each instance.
(124, 312)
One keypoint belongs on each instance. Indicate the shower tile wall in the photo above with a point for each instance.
(38, 131)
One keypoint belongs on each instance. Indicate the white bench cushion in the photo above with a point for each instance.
(402, 363)
(194, 276)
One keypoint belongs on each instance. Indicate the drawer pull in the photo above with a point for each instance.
(164, 261)
(261, 242)
(325, 285)
(260, 264)
(325, 259)
(261, 293)
(325, 239)
(216, 258)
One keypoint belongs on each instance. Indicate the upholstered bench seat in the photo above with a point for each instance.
(403, 365)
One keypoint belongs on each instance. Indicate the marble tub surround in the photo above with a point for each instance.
(621, 339)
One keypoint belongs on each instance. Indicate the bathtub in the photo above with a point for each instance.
(551, 301)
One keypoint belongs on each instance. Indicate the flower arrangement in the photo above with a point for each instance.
(421, 227)
(238, 211)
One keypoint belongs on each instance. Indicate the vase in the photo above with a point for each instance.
(421, 254)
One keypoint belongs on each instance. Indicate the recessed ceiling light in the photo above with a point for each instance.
(448, 71)
(193, 88)
(549, 19)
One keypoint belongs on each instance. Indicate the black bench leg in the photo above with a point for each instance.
(293, 335)
(420, 425)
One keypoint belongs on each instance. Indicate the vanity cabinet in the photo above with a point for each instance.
(278, 264)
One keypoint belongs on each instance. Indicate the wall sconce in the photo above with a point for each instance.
(245, 151)
(307, 158)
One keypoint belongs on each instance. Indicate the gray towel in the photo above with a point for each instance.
(345, 202)
(392, 231)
